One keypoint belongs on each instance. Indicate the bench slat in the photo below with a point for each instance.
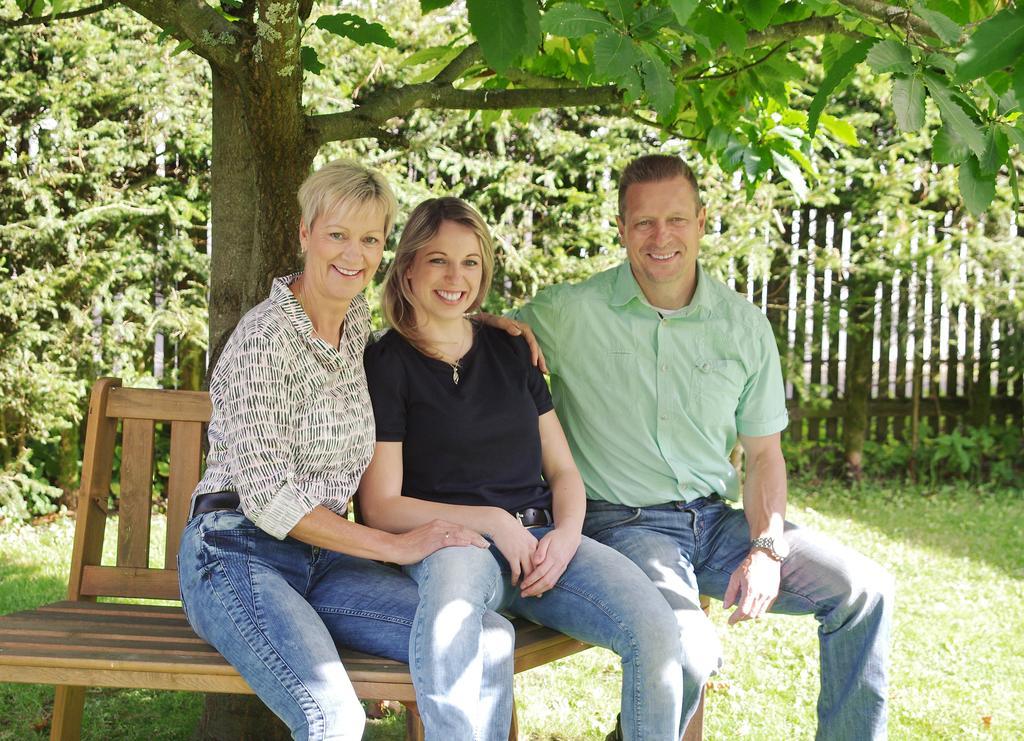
(186, 461)
(136, 500)
(159, 404)
(128, 581)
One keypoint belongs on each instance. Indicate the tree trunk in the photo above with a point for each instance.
(239, 718)
(257, 160)
(858, 375)
(979, 392)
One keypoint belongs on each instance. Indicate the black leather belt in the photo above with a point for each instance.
(214, 501)
(535, 517)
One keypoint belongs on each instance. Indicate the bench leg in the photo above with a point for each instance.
(68, 703)
(413, 723)
(695, 728)
(513, 731)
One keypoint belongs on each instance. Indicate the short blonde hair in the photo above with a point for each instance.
(423, 225)
(345, 183)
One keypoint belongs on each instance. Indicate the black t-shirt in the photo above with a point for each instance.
(475, 442)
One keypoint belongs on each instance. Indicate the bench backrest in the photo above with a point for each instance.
(133, 415)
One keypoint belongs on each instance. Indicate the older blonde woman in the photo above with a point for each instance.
(466, 431)
(272, 572)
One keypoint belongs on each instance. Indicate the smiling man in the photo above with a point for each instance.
(656, 370)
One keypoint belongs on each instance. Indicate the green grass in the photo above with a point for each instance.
(957, 666)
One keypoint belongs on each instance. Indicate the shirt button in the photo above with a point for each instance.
(664, 367)
(664, 418)
(705, 367)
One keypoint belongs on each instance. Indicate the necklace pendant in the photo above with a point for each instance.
(455, 375)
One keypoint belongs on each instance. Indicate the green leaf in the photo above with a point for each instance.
(1014, 186)
(996, 43)
(614, 54)
(430, 71)
(789, 170)
(423, 56)
(703, 117)
(977, 189)
(620, 10)
(1015, 133)
(996, 149)
(355, 28)
(1018, 81)
(573, 21)
(890, 56)
(943, 26)
(532, 44)
(840, 129)
(661, 90)
(733, 33)
(948, 148)
(428, 5)
(182, 46)
(683, 9)
(760, 12)
(310, 61)
(649, 21)
(953, 114)
(908, 102)
(835, 77)
(939, 61)
(501, 29)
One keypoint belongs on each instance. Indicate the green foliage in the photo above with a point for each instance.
(979, 455)
(92, 229)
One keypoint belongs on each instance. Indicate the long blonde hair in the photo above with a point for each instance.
(423, 225)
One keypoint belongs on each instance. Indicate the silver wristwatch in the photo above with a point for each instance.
(776, 551)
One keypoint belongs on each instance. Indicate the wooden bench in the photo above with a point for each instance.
(80, 642)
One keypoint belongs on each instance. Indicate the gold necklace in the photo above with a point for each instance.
(455, 365)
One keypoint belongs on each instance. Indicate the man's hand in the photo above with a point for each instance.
(554, 551)
(517, 329)
(417, 544)
(753, 587)
(516, 544)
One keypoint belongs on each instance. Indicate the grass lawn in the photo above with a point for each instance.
(957, 665)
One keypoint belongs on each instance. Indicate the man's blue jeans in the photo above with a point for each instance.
(279, 609)
(602, 598)
(690, 549)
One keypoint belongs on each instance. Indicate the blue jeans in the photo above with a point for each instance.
(690, 549)
(279, 609)
(602, 598)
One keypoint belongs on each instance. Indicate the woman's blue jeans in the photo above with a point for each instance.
(279, 609)
(692, 549)
(464, 688)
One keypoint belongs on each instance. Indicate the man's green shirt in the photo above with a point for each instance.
(652, 405)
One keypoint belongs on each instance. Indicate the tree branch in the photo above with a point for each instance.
(742, 68)
(28, 20)
(212, 37)
(890, 14)
(367, 119)
(466, 59)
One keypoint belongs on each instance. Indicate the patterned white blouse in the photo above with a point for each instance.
(292, 423)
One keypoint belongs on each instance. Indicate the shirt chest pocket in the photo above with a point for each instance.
(718, 384)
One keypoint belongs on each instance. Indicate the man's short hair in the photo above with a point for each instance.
(345, 183)
(652, 168)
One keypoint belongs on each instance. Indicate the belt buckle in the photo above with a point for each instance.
(519, 516)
